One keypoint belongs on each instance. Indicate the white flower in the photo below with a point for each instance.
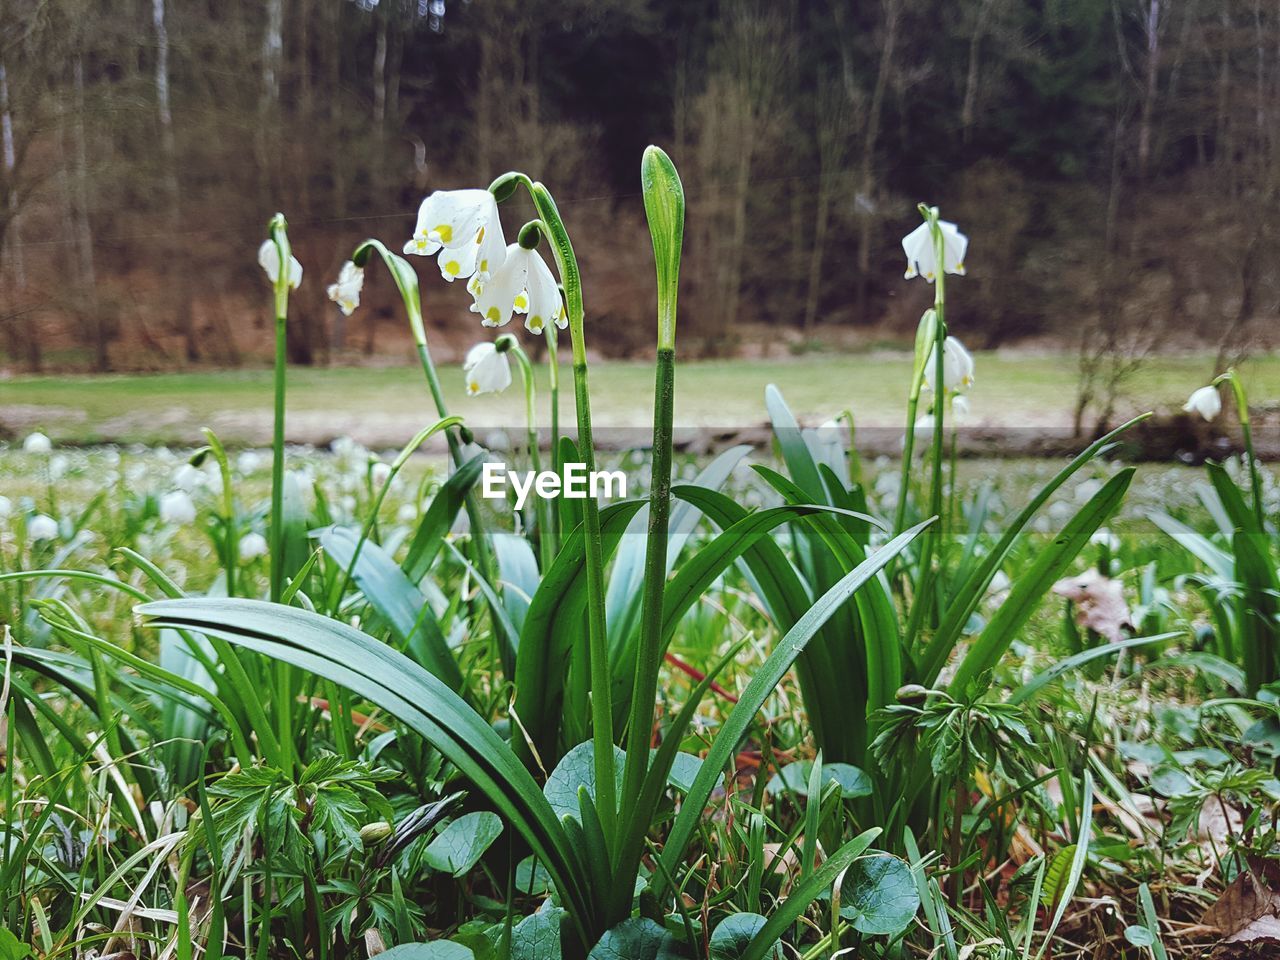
(346, 292)
(1103, 537)
(58, 465)
(486, 370)
(189, 478)
(176, 507)
(269, 260)
(463, 227)
(252, 546)
(957, 366)
(1205, 402)
(924, 425)
(407, 513)
(379, 473)
(42, 527)
(524, 284)
(918, 246)
(249, 461)
(6, 506)
(37, 443)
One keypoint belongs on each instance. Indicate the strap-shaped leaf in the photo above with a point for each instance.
(762, 685)
(965, 599)
(1034, 583)
(407, 691)
(553, 626)
(439, 517)
(397, 599)
(805, 893)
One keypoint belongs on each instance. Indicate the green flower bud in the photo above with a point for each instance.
(664, 209)
(530, 235)
(372, 834)
(913, 693)
(505, 186)
(926, 336)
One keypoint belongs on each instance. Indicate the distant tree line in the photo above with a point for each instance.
(1114, 162)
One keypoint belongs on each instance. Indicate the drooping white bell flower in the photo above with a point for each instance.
(249, 462)
(42, 527)
(176, 508)
(37, 443)
(1205, 402)
(921, 261)
(957, 366)
(252, 546)
(346, 291)
(523, 284)
(379, 473)
(6, 507)
(463, 227)
(189, 478)
(269, 260)
(486, 370)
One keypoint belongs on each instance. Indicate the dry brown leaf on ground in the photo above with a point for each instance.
(1099, 603)
(1218, 821)
(1248, 912)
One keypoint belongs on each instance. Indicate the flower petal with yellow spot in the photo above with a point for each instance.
(486, 370)
(921, 256)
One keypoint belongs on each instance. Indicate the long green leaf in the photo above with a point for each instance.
(965, 599)
(410, 693)
(759, 690)
(439, 517)
(396, 599)
(805, 893)
(553, 628)
(1029, 590)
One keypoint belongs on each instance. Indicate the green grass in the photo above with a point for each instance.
(387, 405)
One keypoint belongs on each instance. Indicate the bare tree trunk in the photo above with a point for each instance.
(273, 52)
(832, 123)
(272, 71)
(12, 240)
(1222, 126)
(338, 160)
(488, 77)
(1150, 87)
(81, 222)
(732, 291)
(168, 153)
(380, 73)
(866, 175)
(821, 224)
(976, 36)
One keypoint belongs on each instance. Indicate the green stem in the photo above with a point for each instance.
(908, 449)
(231, 539)
(553, 376)
(277, 434)
(649, 649)
(284, 686)
(406, 280)
(1246, 431)
(540, 506)
(931, 536)
(597, 638)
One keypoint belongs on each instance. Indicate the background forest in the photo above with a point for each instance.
(1115, 161)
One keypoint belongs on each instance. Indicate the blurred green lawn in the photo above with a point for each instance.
(1011, 390)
